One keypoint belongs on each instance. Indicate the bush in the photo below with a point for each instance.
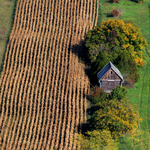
(140, 140)
(115, 13)
(129, 83)
(97, 95)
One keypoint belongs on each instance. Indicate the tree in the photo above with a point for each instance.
(117, 116)
(96, 140)
(127, 66)
(114, 35)
(100, 62)
(118, 93)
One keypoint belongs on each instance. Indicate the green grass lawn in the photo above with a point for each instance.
(139, 15)
(6, 23)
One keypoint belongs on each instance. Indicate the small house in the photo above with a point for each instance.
(109, 77)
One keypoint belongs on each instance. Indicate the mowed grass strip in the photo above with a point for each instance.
(143, 97)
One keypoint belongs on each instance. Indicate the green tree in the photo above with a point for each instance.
(127, 66)
(101, 61)
(118, 93)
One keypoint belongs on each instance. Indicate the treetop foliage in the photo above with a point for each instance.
(118, 93)
(116, 34)
(127, 66)
(116, 116)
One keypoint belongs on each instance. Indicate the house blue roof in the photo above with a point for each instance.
(105, 69)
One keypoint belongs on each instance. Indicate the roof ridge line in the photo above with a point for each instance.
(110, 63)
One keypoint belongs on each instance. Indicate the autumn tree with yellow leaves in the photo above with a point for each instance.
(117, 116)
(96, 140)
(113, 36)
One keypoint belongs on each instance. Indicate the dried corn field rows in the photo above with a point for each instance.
(43, 84)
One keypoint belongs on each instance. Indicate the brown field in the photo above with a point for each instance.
(43, 85)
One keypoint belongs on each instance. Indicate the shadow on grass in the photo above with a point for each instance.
(109, 15)
(8, 35)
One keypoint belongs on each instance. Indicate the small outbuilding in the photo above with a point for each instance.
(109, 77)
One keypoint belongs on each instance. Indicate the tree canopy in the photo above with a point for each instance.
(114, 113)
(113, 36)
(117, 116)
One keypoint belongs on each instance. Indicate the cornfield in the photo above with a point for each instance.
(43, 85)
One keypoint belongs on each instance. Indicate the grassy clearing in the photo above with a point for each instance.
(139, 15)
(6, 23)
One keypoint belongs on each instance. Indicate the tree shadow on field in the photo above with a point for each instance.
(82, 53)
(84, 127)
(8, 34)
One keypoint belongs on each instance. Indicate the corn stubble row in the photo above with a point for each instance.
(43, 84)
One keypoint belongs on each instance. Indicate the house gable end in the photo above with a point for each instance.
(111, 75)
(116, 70)
(106, 68)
